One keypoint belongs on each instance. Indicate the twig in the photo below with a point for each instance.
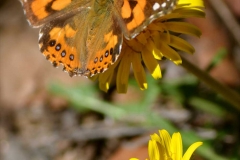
(230, 95)
(84, 134)
(227, 17)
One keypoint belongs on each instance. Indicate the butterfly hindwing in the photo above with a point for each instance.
(84, 47)
(104, 43)
(55, 43)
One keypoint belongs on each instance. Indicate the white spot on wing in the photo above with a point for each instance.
(120, 48)
(40, 35)
(164, 5)
(156, 6)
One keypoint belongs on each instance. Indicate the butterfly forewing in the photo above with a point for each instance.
(40, 12)
(138, 14)
(83, 46)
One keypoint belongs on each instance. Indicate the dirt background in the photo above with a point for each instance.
(34, 125)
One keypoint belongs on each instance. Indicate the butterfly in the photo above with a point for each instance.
(86, 36)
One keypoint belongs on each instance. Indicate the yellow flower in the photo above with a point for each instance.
(163, 147)
(159, 40)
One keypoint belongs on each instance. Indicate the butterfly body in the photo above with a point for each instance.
(86, 35)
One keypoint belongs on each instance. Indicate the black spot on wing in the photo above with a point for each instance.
(45, 39)
(48, 7)
(132, 4)
(129, 19)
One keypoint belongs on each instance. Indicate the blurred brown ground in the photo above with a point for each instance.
(26, 126)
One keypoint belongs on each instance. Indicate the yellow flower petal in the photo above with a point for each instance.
(153, 150)
(167, 51)
(192, 3)
(183, 27)
(106, 78)
(142, 38)
(162, 152)
(155, 137)
(135, 45)
(176, 146)
(187, 12)
(155, 51)
(178, 43)
(105, 83)
(151, 63)
(166, 141)
(190, 150)
(156, 27)
(138, 71)
(123, 71)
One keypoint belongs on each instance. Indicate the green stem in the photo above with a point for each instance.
(228, 94)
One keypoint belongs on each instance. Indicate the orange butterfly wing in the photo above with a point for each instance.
(83, 47)
(40, 12)
(138, 14)
(86, 35)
